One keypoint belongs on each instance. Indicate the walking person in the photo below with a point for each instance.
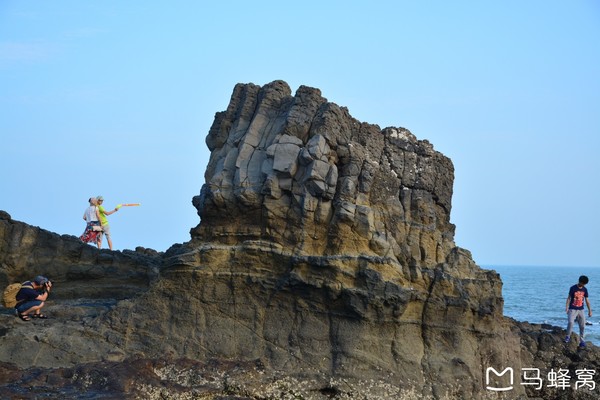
(92, 232)
(574, 307)
(104, 221)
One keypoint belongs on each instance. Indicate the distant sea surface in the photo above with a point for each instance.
(539, 295)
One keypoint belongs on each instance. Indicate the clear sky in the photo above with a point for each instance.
(116, 98)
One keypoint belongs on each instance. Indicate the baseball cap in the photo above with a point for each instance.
(40, 280)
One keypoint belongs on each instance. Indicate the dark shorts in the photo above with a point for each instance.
(27, 305)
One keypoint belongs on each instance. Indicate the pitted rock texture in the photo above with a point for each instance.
(27, 251)
(324, 266)
(301, 172)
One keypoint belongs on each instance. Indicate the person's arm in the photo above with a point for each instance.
(111, 212)
(587, 302)
(44, 295)
(97, 214)
(568, 301)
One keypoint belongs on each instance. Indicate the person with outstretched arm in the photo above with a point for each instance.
(104, 220)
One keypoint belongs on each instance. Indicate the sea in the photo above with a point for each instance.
(538, 295)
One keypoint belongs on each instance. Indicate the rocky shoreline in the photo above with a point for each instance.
(324, 266)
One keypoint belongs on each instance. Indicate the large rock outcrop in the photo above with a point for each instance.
(300, 172)
(367, 278)
(324, 266)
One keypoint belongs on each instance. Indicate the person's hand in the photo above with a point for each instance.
(590, 314)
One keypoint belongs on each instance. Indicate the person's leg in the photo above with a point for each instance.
(37, 312)
(571, 318)
(581, 321)
(106, 230)
(29, 307)
(34, 310)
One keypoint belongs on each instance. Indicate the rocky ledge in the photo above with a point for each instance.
(324, 266)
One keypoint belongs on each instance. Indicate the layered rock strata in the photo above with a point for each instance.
(27, 251)
(324, 266)
(299, 171)
(360, 220)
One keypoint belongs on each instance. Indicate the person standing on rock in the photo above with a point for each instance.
(92, 219)
(577, 294)
(31, 298)
(104, 221)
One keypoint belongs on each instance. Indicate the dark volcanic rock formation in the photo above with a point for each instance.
(300, 172)
(367, 278)
(324, 266)
(27, 251)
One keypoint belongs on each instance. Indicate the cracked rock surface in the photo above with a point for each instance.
(324, 266)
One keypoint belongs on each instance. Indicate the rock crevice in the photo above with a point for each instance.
(301, 172)
(324, 264)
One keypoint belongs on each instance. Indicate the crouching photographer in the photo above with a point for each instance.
(31, 298)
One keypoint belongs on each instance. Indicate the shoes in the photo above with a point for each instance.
(567, 339)
(582, 344)
(24, 317)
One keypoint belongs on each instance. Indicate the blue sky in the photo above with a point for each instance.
(116, 98)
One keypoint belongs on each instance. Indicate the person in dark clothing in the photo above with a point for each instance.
(31, 298)
(577, 294)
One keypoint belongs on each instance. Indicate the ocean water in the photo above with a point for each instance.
(538, 295)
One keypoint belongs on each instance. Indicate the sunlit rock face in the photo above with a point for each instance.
(324, 264)
(329, 240)
(301, 172)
